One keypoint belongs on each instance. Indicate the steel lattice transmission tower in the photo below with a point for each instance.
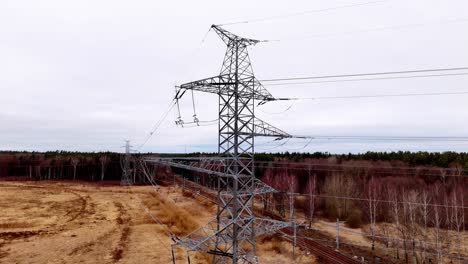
(125, 161)
(231, 236)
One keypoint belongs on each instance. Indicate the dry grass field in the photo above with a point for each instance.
(66, 222)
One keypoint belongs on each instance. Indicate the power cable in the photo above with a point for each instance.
(389, 138)
(364, 74)
(200, 123)
(282, 144)
(374, 29)
(157, 124)
(369, 79)
(269, 18)
(395, 138)
(372, 96)
(307, 166)
(376, 173)
(382, 201)
(305, 146)
(278, 113)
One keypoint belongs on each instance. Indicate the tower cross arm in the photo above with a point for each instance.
(262, 128)
(224, 85)
(209, 85)
(229, 37)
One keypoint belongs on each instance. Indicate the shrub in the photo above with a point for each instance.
(354, 219)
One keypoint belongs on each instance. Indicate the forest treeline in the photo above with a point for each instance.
(437, 159)
(87, 165)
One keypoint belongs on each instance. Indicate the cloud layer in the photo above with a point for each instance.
(85, 75)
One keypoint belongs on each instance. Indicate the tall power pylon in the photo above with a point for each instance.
(231, 236)
(125, 161)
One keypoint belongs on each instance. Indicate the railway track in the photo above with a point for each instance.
(314, 247)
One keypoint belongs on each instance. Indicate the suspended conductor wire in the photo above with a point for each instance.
(369, 79)
(366, 74)
(158, 124)
(305, 146)
(319, 165)
(374, 29)
(280, 145)
(371, 96)
(206, 35)
(204, 121)
(266, 143)
(281, 112)
(392, 138)
(326, 169)
(192, 124)
(301, 13)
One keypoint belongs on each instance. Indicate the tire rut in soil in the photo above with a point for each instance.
(123, 223)
(83, 203)
(86, 247)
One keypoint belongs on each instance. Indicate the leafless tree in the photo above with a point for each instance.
(437, 222)
(393, 195)
(410, 201)
(372, 199)
(338, 185)
(74, 162)
(104, 161)
(457, 217)
(443, 174)
(292, 193)
(312, 192)
(437, 229)
(425, 199)
(59, 167)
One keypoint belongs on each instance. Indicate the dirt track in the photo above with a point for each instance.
(52, 222)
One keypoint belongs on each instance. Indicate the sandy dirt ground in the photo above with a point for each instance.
(66, 222)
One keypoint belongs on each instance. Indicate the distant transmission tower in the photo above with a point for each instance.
(231, 236)
(125, 161)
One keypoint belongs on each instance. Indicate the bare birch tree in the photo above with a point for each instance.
(425, 199)
(410, 207)
(393, 195)
(312, 192)
(437, 222)
(103, 161)
(372, 192)
(292, 193)
(457, 218)
(74, 162)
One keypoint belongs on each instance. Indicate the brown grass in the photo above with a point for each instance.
(274, 249)
(178, 220)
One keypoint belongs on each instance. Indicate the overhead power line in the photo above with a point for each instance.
(158, 124)
(374, 96)
(396, 138)
(375, 173)
(308, 165)
(269, 18)
(370, 30)
(365, 74)
(369, 79)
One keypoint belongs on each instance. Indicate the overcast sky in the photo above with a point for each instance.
(86, 75)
